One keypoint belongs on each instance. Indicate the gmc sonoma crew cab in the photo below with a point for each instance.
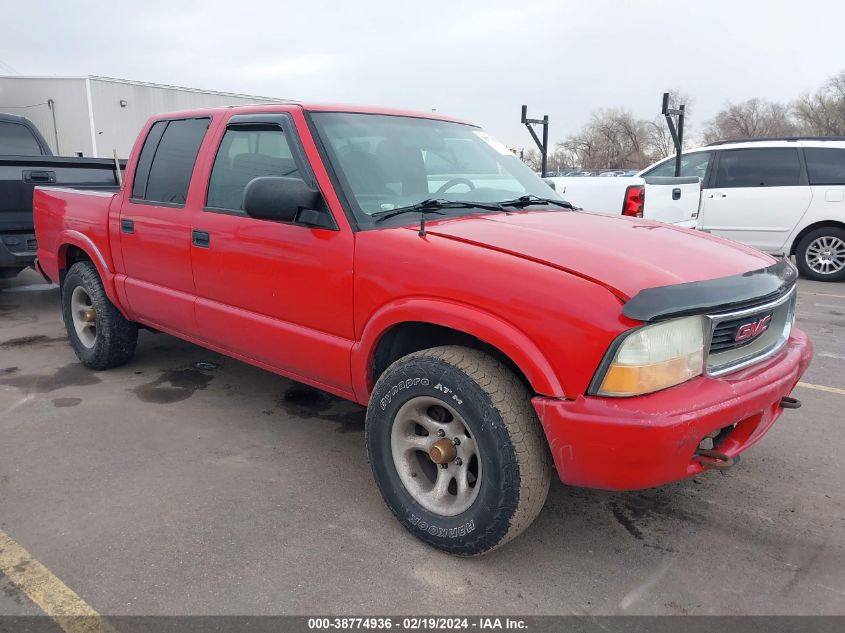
(411, 263)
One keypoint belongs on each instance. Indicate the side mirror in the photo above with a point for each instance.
(550, 183)
(277, 198)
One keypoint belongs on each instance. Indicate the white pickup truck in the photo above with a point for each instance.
(668, 199)
(785, 196)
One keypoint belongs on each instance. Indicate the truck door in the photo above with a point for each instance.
(155, 229)
(276, 293)
(757, 196)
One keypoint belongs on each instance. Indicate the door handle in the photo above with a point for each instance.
(200, 238)
(127, 226)
(676, 193)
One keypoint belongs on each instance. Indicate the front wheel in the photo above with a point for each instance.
(457, 450)
(820, 254)
(97, 331)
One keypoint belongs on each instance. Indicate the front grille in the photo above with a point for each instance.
(725, 332)
(726, 353)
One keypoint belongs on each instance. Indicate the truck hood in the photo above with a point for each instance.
(625, 255)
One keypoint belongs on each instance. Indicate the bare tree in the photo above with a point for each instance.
(822, 113)
(612, 139)
(754, 118)
(532, 158)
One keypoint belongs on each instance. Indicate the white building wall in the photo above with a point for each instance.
(71, 108)
(115, 126)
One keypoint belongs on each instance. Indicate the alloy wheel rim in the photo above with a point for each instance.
(84, 317)
(826, 255)
(436, 456)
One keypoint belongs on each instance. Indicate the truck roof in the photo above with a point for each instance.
(309, 107)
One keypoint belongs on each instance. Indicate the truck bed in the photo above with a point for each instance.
(19, 175)
(87, 227)
(672, 200)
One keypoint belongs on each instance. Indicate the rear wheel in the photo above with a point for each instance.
(97, 331)
(820, 254)
(456, 449)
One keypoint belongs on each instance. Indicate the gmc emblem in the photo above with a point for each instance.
(748, 331)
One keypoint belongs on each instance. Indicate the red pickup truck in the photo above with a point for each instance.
(411, 263)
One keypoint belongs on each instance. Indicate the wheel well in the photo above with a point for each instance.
(407, 338)
(72, 255)
(813, 227)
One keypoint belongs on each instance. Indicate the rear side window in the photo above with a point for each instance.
(771, 167)
(825, 165)
(145, 160)
(695, 164)
(18, 140)
(167, 160)
(247, 151)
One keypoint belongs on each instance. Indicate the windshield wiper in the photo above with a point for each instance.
(531, 199)
(434, 205)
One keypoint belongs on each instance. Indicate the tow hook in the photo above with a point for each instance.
(788, 402)
(711, 459)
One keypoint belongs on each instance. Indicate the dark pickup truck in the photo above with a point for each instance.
(25, 162)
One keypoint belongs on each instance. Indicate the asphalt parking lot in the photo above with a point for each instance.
(167, 487)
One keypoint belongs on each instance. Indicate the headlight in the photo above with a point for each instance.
(655, 357)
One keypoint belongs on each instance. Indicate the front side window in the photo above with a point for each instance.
(825, 165)
(770, 167)
(167, 160)
(388, 162)
(247, 151)
(17, 140)
(694, 164)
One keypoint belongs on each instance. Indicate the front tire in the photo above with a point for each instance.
(99, 334)
(496, 475)
(820, 255)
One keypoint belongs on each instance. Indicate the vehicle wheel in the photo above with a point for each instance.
(457, 450)
(97, 331)
(820, 254)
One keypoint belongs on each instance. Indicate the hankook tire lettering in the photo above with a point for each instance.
(434, 530)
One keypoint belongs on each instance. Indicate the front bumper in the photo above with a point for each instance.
(650, 440)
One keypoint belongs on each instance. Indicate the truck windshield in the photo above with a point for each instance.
(386, 162)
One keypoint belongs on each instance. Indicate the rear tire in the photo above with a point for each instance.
(99, 334)
(496, 481)
(820, 255)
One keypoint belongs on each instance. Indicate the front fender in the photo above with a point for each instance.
(485, 326)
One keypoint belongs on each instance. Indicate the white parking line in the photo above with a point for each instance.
(808, 385)
(829, 355)
(820, 294)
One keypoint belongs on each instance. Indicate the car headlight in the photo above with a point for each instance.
(655, 357)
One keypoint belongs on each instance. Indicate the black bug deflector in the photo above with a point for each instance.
(712, 295)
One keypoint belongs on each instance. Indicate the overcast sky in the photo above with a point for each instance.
(478, 60)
